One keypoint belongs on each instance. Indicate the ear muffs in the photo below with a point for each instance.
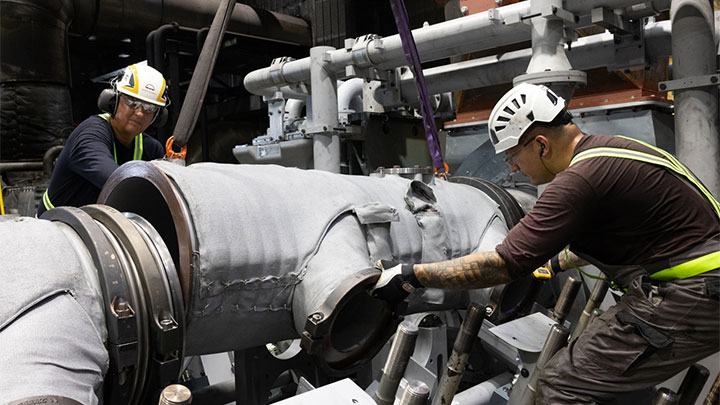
(107, 101)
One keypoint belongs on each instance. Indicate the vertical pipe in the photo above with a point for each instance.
(324, 114)
(596, 297)
(566, 299)
(665, 396)
(557, 339)
(692, 384)
(398, 358)
(447, 387)
(713, 396)
(416, 393)
(696, 110)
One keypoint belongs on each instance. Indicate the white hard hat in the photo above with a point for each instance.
(144, 83)
(519, 108)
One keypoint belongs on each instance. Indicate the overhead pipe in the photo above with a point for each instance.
(123, 17)
(696, 109)
(587, 53)
(472, 33)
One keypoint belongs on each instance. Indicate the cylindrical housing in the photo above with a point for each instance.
(596, 297)
(270, 246)
(447, 387)
(692, 384)
(175, 394)
(696, 109)
(566, 300)
(400, 352)
(323, 112)
(416, 393)
(665, 396)
(556, 340)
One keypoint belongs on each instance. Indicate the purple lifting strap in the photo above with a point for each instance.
(413, 60)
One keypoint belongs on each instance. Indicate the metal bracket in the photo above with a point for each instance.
(616, 24)
(276, 69)
(690, 83)
(552, 12)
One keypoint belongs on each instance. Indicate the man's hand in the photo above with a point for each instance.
(396, 281)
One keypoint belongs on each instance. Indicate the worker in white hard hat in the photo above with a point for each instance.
(136, 100)
(631, 209)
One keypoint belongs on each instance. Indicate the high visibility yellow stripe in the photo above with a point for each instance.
(690, 268)
(137, 154)
(46, 201)
(677, 167)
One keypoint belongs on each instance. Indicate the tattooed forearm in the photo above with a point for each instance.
(572, 260)
(477, 270)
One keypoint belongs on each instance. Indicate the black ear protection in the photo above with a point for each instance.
(542, 149)
(108, 102)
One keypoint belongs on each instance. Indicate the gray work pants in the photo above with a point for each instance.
(641, 341)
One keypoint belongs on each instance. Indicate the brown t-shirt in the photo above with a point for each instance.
(618, 211)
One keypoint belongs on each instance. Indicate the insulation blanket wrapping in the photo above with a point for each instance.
(259, 227)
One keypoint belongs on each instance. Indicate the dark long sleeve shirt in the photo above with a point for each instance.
(87, 161)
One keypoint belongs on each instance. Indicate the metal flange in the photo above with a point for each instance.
(325, 328)
(120, 316)
(161, 343)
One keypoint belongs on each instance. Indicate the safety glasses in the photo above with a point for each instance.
(135, 104)
(510, 157)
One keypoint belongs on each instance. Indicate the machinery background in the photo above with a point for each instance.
(323, 84)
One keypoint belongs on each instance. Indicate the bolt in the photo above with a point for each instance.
(317, 316)
(662, 86)
(713, 79)
(524, 372)
(464, 10)
(488, 311)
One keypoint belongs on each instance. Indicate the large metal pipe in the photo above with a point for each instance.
(398, 358)
(323, 112)
(586, 53)
(556, 340)
(596, 297)
(696, 109)
(293, 259)
(450, 380)
(468, 34)
(122, 17)
(566, 299)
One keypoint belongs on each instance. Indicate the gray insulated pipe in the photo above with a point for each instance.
(267, 253)
(35, 107)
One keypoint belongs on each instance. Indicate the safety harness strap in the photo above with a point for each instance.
(692, 267)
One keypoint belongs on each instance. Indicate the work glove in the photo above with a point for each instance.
(396, 281)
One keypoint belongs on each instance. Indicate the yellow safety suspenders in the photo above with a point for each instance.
(690, 268)
(137, 155)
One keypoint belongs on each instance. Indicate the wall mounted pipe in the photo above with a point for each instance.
(589, 52)
(323, 112)
(696, 109)
(122, 17)
(246, 238)
(468, 34)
